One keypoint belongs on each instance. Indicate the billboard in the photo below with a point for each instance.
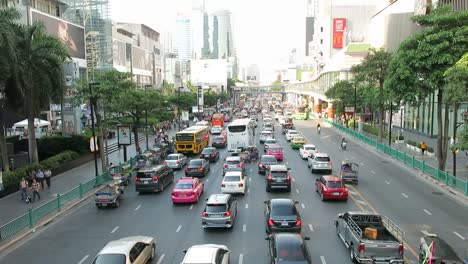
(339, 27)
(209, 72)
(119, 53)
(309, 33)
(71, 35)
(142, 62)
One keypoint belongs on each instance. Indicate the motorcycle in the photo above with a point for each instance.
(318, 130)
(343, 145)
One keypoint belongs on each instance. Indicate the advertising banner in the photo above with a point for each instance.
(119, 53)
(200, 97)
(93, 144)
(73, 36)
(339, 27)
(142, 61)
(124, 135)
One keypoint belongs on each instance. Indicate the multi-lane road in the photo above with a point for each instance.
(384, 187)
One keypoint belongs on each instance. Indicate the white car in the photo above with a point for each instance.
(216, 130)
(176, 161)
(282, 120)
(233, 182)
(278, 115)
(269, 142)
(128, 250)
(267, 120)
(306, 150)
(319, 162)
(265, 135)
(290, 134)
(207, 253)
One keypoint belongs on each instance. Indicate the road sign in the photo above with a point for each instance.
(124, 135)
(349, 109)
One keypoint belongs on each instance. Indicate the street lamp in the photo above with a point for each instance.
(178, 106)
(92, 102)
(355, 105)
(146, 118)
(454, 150)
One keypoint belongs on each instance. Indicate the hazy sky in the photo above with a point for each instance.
(265, 30)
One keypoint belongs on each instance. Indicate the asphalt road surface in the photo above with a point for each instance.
(384, 187)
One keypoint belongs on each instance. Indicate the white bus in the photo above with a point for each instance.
(240, 134)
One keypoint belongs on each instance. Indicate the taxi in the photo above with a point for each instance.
(187, 190)
(297, 142)
(275, 150)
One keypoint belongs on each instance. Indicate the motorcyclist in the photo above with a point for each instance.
(318, 128)
(343, 142)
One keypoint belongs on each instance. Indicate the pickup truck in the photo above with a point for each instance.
(385, 247)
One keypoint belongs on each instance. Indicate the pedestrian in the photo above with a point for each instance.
(48, 175)
(35, 189)
(24, 189)
(40, 177)
(423, 147)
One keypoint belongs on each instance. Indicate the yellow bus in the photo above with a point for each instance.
(192, 139)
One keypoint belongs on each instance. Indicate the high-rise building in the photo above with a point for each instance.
(183, 42)
(223, 45)
(312, 11)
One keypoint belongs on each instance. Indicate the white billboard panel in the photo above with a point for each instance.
(209, 72)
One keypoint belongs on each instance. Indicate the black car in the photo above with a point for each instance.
(218, 142)
(210, 153)
(288, 248)
(278, 177)
(197, 168)
(282, 215)
(265, 161)
(153, 178)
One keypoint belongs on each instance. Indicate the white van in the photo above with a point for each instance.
(203, 123)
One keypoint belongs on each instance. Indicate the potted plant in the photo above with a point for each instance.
(430, 151)
(400, 139)
(408, 143)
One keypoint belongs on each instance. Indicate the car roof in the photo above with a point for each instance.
(123, 245)
(198, 254)
(198, 160)
(151, 168)
(309, 145)
(332, 178)
(186, 179)
(218, 198)
(321, 154)
(298, 136)
(288, 240)
(278, 167)
(210, 148)
(174, 154)
(233, 173)
(233, 158)
(270, 139)
(267, 131)
(268, 156)
(292, 131)
(281, 201)
(274, 146)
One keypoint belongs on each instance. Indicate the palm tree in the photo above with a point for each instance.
(38, 76)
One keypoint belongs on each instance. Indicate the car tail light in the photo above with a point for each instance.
(155, 178)
(298, 222)
(289, 178)
(213, 154)
(164, 162)
(270, 222)
(222, 142)
(239, 165)
(228, 213)
(212, 143)
(401, 249)
(200, 169)
(177, 162)
(260, 165)
(362, 247)
(204, 214)
(186, 169)
(269, 177)
(137, 179)
(225, 165)
(201, 155)
(241, 185)
(223, 185)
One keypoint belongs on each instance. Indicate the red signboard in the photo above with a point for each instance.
(339, 27)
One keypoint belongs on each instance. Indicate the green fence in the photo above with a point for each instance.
(33, 216)
(421, 165)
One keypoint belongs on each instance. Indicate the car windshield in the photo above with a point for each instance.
(145, 174)
(278, 174)
(293, 133)
(208, 151)
(215, 208)
(195, 163)
(291, 253)
(336, 184)
(274, 149)
(322, 159)
(232, 179)
(268, 159)
(299, 139)
(172, 157)
(309, 148)
(184, 185)
(110, 259)
(270, 141)
(283, 210)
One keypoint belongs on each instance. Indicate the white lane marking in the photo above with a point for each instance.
(303, 206)
(373, 172)
(387, 182)
(191, 207)
(244, 228)
(311, 228)
(297, 190)
(362, 164)
(427, 212)
(425, 232)
(138, 207)
(83, 259)
(286, 163)
(241, 258)
(246, 206)
(293, 179)
(322, 258)
(404, 195)
(207, 180)
(361, 202)
(326, 136)
(248, 190)
(250, 179)
(115, 229)
(458, 235)
(351, 192)
(161, 259)
(353, 157)
(179, 228)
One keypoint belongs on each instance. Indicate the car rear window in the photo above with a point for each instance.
(195, 163)
(184, 185)
(215, 208)
(291, 254)
(268, 159)
(218, 138)
(283, 210)
(172, 157)
(146, 174)
(232, 161)
(266, 133)
(278, 174)
(208, 151)
(232, 179)
(334, 184)
(293, 132)
(325, 159)
(110, 259)
(274, 149)
(309, 148)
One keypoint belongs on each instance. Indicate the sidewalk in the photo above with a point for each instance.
(462, 159)
(11, 206)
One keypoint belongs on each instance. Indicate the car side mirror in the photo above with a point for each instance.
(268, 237)
(265, 202)
(306, 238)
(206, 199)
(184, 251)
(296, 202)
(316, 180)
(289, 169)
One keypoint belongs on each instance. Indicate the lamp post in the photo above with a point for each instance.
(146, 119)
(401, 122)
(355, 105)
(178, 106)
(455, 127)
(390, 125)
(91, 102)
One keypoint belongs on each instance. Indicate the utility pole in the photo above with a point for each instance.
(355, 107)
(178, 106)
(91, 102)
(146, 119)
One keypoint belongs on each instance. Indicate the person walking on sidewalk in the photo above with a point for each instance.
(423, 147)
(23, 189)
(35, 189)
(40, 177)
(48, 175)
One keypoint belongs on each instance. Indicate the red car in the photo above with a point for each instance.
(331, 187)
(187, 190)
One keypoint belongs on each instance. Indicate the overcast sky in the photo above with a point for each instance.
(265, 30)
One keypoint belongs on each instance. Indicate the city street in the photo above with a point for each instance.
(384, 187)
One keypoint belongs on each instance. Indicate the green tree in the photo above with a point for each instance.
(231, 83)
(185, 102)
(372, 71)
(209, 98)
(340, 92)
(38, 76)
(417, 69)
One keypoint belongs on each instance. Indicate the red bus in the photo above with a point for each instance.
(217, 120)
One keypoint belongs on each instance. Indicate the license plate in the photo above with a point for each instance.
(145, 182)
(335, 193)
(182, 195)
(284, 223)
(278, 180)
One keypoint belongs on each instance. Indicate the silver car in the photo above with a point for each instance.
(220, 211)
(127, 250)
(176, 161)
(207, 253)
(265, 135)
(319, 162)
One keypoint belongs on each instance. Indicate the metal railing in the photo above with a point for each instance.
(421, 165)
(33, 216)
